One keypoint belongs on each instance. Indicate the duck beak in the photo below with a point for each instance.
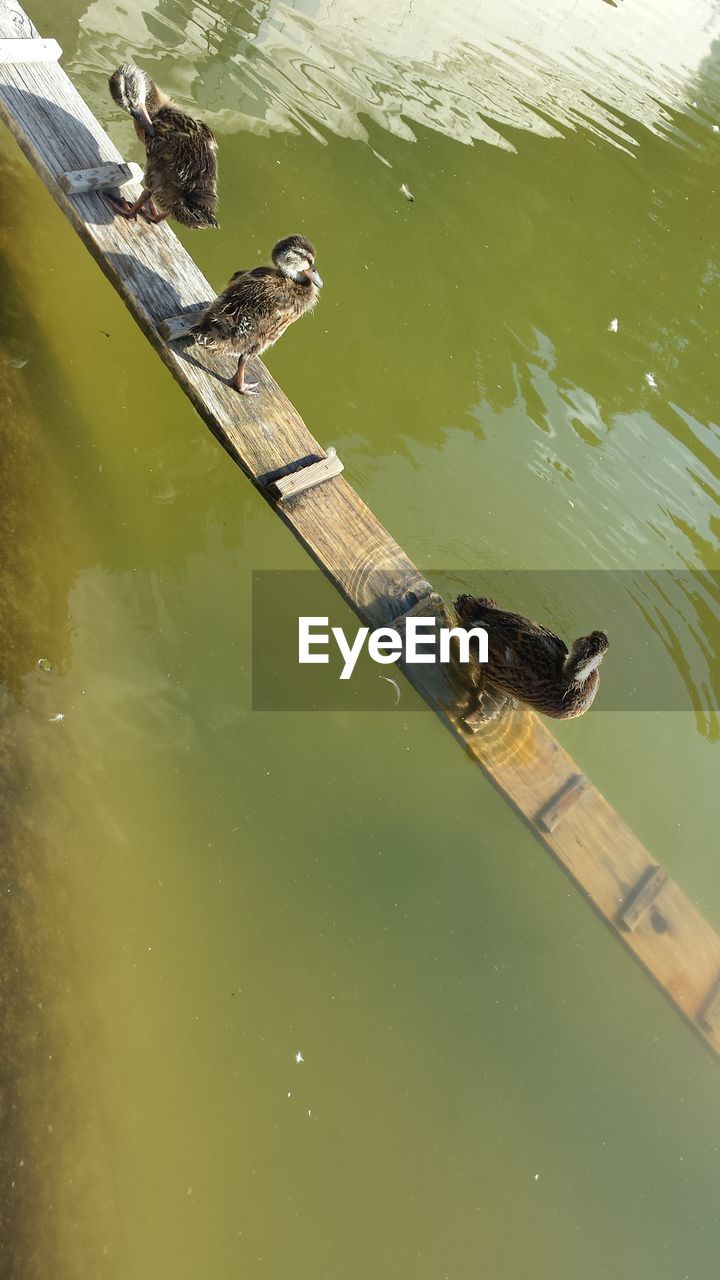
(141, 115)
(315, 277)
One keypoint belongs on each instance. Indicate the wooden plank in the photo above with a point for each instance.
(29, 50)
(105, 177)
(266, 436)
(296, 482)
(642, 898)
(566, 798)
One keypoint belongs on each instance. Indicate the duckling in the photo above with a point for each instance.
(256, 307)
(530, 663)
(181, 173)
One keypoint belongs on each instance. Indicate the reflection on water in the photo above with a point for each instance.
(472, 72)
(684, 612)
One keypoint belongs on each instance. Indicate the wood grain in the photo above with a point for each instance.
(267, 438)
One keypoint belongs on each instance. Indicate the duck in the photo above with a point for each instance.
(530, 664)
(256, 306)
(181, 173)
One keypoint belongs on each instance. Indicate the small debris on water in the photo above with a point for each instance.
(395, 686)
(650, 379)
(299, 1057)
(56, 719)
(614, 325)
(407, 192)
(45, 665)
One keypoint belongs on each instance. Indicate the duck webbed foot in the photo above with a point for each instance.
(152, 214)
(127, 210)
(239, 381)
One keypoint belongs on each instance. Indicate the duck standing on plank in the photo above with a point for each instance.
(181, 173)
(256, 307)
(531, 664)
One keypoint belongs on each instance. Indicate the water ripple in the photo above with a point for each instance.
(452, 68)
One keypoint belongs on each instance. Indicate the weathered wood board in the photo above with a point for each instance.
(266, 437)
(106, 177)
(29, 50)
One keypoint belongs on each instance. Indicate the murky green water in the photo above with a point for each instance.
(490, 1086)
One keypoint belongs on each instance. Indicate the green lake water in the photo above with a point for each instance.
(194, 892)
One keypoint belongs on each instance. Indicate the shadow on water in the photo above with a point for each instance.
(78, 145)
(32, 628)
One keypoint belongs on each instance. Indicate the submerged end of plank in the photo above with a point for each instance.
(709, 1015)
(106, 177)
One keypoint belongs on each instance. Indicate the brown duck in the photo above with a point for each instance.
(257, 306)
(181, 173)
(530, 663)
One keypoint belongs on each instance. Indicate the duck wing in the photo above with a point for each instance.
(185, 146)
(246, 305)
(522, 654)
(182, 167)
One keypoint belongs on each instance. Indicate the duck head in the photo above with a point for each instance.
(135, 92)
(294, 257)
(585, 657)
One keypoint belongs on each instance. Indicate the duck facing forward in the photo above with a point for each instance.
(530, 663)
(181, 173)
(256, 307)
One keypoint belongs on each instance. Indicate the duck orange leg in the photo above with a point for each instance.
(127, 210)
(152, 214)
(239, 383)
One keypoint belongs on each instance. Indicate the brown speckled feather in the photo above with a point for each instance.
(254, 310)
(526, 661)
(182, 169)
